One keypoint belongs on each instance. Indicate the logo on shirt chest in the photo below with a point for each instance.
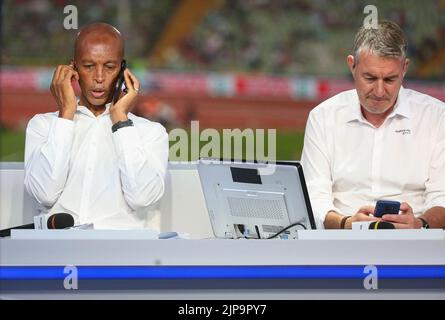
(403, 131)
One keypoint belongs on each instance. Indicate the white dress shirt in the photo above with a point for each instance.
(80, 167)
(349, 163)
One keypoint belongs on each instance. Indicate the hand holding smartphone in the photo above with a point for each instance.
(119, 82)
(122, 104)
(386, 207)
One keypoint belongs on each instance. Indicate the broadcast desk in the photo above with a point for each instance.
(222, 269)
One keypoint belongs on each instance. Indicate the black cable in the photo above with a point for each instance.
(257, 232)
(241, 229)
(288, 227)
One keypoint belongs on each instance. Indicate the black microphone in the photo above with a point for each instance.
(381, 225)
(54, 221)
(60, 221)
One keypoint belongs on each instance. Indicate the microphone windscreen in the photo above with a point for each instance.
(60, 221)
(381, 225)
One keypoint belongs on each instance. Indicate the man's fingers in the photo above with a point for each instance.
(130, 73)
(56, 77)
(128, 82)
(402, 226)
(366, 217)
(60, 75)
(366, 209)
(68, 75)
(75, 75)
(396, 218)
(59, 72)
(405, 206)
(61, 86)
(390, 218)
(131, 81)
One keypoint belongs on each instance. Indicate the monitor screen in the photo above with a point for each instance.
(244, 201)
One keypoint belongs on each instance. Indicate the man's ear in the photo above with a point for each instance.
(405, 66)
(351, 64)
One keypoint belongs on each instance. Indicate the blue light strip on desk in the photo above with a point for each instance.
(222, 272)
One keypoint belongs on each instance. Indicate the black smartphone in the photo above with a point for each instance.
(386, 207)
(119, 82)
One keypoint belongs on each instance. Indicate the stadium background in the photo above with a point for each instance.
(227, 63)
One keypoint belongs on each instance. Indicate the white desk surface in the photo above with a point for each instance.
(221, 252)
(212, 252)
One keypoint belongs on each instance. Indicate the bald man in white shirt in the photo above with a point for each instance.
(378, 141)
(93, 158)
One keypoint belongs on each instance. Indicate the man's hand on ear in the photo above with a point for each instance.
(119, 111)
(63, 92)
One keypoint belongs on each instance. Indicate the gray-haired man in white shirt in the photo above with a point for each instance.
(378, 141)
(93, 159)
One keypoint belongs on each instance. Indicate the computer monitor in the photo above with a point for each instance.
(244, 201)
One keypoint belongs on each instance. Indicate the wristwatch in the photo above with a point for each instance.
(425, 224)
(121, 124)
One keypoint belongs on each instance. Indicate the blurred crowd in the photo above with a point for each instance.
(309, 37)
(33, 31)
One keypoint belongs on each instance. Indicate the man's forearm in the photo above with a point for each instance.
(435, 217)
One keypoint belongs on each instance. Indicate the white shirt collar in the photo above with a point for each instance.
(86, 111)
(401, 108)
